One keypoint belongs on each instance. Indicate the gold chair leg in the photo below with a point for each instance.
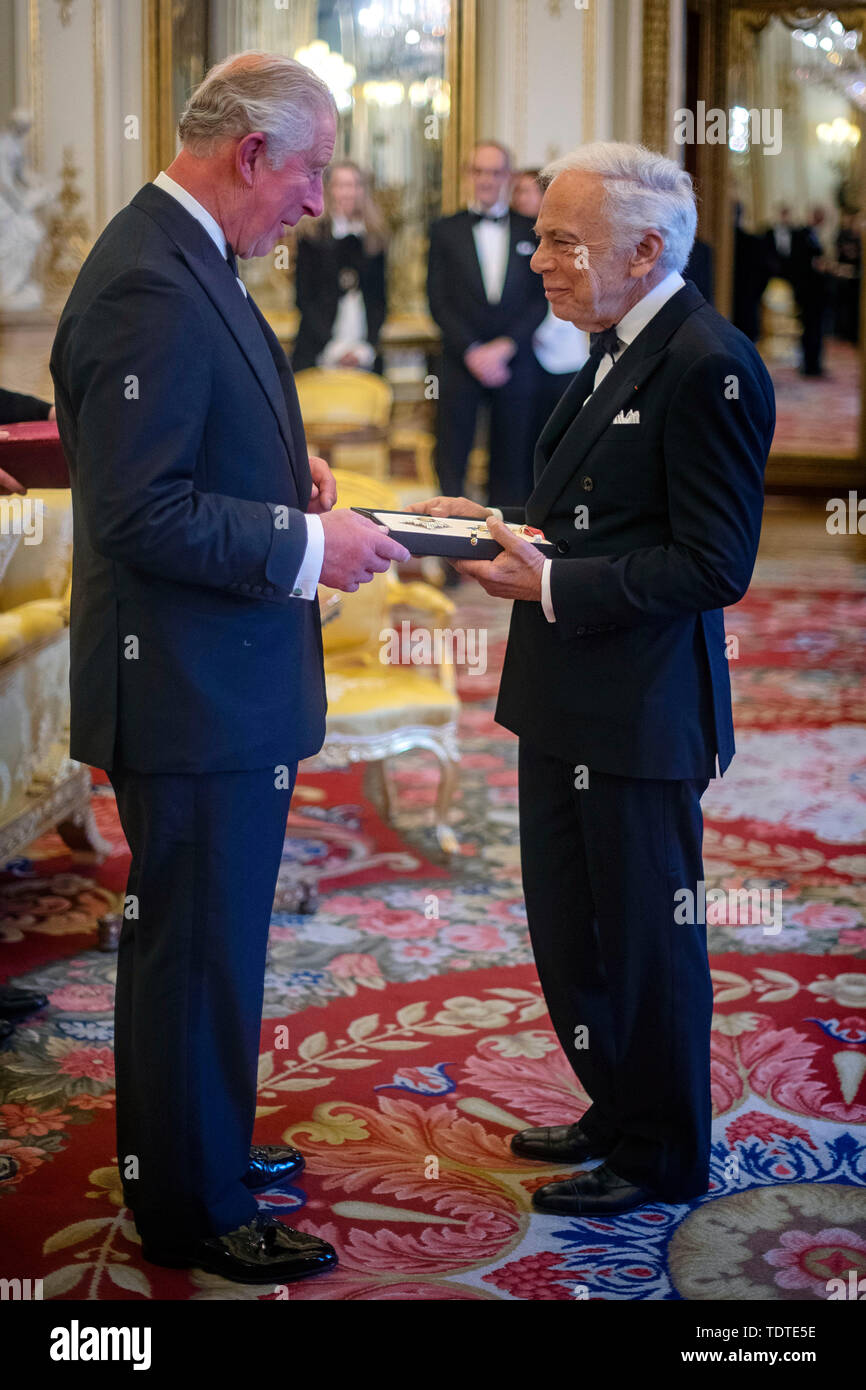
(448, 842)
(378, 788)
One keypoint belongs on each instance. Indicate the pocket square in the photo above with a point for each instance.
(627, 417)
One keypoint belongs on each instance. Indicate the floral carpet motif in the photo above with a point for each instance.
(404, 1038)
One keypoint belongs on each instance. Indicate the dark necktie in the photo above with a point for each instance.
(232, 261)
(602, 343)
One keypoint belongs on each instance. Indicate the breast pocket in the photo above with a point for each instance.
(625, 434)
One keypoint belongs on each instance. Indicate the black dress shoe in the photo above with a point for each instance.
(265, 1252)
(271, 1164)
(15, 1002)
(556, 1144)
(599, 1193)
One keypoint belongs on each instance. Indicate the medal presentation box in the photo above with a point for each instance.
(33, 454)
(452, 537)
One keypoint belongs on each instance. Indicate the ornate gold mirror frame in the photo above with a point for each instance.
(729, 29)
(174, 58)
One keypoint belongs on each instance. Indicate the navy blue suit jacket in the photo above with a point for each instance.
(179, 418)
(632, 679)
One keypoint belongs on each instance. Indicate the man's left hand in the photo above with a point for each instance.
(324, 493)
(516, 571)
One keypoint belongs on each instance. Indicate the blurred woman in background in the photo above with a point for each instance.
(340, 276)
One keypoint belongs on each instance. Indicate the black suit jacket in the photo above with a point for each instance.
(179, 419)
(16, 408)
(455, 288)
(632, 679)
(317, 295)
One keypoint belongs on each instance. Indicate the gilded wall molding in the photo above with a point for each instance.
(37, 105)
(656, 60)
(520, 78)
(589, 37)
(99, 152)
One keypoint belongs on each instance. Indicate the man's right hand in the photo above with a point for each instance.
(355, 549)
(451, 506)
(10, 484)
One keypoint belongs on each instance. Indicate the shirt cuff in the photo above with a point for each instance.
(314, 557)
(546, 600)
(497, 512)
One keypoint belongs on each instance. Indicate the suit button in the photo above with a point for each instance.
(244, 588)
(256, 589)
(579, 631)
(562, 547)
(586, 484)
(268, 589)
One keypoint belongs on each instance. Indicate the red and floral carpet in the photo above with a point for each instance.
(404, 1038)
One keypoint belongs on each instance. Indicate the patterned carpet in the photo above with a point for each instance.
(404, 1038)
(806, 406)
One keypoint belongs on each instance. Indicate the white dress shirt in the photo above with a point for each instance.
(314, 555)
(627, 330)
(492, 240)
(559, 346)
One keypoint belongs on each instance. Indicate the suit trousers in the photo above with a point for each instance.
(512, 421)
(206, 851)
(627, 988)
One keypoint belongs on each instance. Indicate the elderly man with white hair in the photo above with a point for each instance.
(649, 482)
(197, 682)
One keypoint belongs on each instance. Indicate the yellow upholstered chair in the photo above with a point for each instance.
(40, 786)
(377, 710)
(337, 401)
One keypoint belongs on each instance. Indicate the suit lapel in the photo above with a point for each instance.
(576, 424)
(467, 234)
(215, 277)
(513, 238)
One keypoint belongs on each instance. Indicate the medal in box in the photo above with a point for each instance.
(452, 537)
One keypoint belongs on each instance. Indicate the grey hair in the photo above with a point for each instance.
(643, 190)
(256, 91)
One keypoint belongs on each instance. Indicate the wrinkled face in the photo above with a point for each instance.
(490, 176)
(345, 189)
(586, 280)
(274, 199)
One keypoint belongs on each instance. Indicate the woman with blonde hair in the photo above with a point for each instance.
(340, 276)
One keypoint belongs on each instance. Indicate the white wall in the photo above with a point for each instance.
(81, 79)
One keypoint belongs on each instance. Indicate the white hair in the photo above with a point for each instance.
(642, 191)
(256, 91)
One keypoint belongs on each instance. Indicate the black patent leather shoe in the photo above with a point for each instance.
(271, 1164)
(599, 1193)
(265, 1252)
(556, 1144)
(15, 1002)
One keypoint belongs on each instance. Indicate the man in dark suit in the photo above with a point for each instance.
(649, 482)
(487, 304)
(200, 533)
(811, 286)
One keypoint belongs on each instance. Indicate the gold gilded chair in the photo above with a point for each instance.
(346, 415)
(377, 710)
(41, 787)
(347, 420)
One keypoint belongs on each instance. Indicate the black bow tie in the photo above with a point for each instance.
(487, 217)
(602, 343)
